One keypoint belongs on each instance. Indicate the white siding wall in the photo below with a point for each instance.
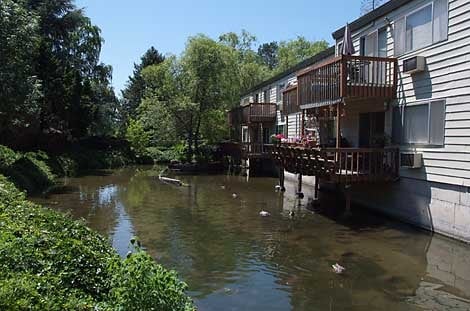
(294, 125)
(447, 77)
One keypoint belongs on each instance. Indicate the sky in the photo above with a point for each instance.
(130, 27)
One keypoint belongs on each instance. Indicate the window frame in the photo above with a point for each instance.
(429, 123)
(432, 25)
(267, 95)
(362, 41)
(433, 42)
(245, 138)
(279, 95)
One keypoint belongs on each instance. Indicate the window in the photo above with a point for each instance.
(374, 44)
(256, 98)
(382, 42)
(362, 46)
(419, 29)
(279, 89)
(340, 49)
(280, 129)
(421, 124)
(422, 27)
(245, 137)
(266, 96)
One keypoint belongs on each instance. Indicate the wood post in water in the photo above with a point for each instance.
(317, 185)
(299, 187)
(281, 179)
(347, 197)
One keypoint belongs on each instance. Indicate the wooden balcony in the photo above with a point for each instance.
(253, 113)
(339, 165)
(346, 78)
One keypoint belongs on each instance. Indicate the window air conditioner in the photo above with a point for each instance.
(414, 64)
(411, 160)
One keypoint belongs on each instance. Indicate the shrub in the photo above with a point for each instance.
(28, 171)
(50, 262)
(166, 155)
(7, 156)
(139, 284)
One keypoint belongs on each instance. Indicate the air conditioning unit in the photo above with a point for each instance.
(411, 160)
(414, 64)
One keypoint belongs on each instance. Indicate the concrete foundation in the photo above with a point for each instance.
(437, 207)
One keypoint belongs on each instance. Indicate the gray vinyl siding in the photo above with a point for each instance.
(447, 77)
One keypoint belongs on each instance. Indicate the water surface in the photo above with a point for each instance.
(233, 259)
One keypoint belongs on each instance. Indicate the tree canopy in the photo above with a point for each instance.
(52, 80)
(53, 87)
(133, 94)
(186, 98)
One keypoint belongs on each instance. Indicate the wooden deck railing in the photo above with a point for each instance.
(245, 150)
(289, 101)
(250, 150)
(260, 112)
(344, 165)
(348, 77)
(252, 113)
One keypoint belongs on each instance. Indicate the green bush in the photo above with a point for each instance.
(138, 283)
(28, 171)
(63, 165)
(7, 156)
(50, 262)
(166, 155)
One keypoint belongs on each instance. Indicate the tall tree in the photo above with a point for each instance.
(192, 88)
(19, 86)
(134, 92)
(294, 51)
(268, 53)
(250, 69)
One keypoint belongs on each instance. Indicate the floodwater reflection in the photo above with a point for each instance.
(233, 259)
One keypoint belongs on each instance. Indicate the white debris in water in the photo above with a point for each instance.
(337, 268)
(264, 214)
(234, 195)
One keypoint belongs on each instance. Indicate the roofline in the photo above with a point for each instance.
(362, 21)
(303, 64)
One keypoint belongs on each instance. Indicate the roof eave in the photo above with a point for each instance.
(366, 19)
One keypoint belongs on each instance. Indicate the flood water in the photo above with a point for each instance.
(234, 259)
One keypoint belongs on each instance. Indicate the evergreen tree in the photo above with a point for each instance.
(134, 92)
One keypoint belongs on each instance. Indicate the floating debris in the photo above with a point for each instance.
(222, 187)
(167, 180)
(264, 214)
(337, 268)
(234, 195)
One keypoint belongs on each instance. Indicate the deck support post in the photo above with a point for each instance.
(347, 197)
(299, 187)
(281, 179)
(338, 125)
(317, 185)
